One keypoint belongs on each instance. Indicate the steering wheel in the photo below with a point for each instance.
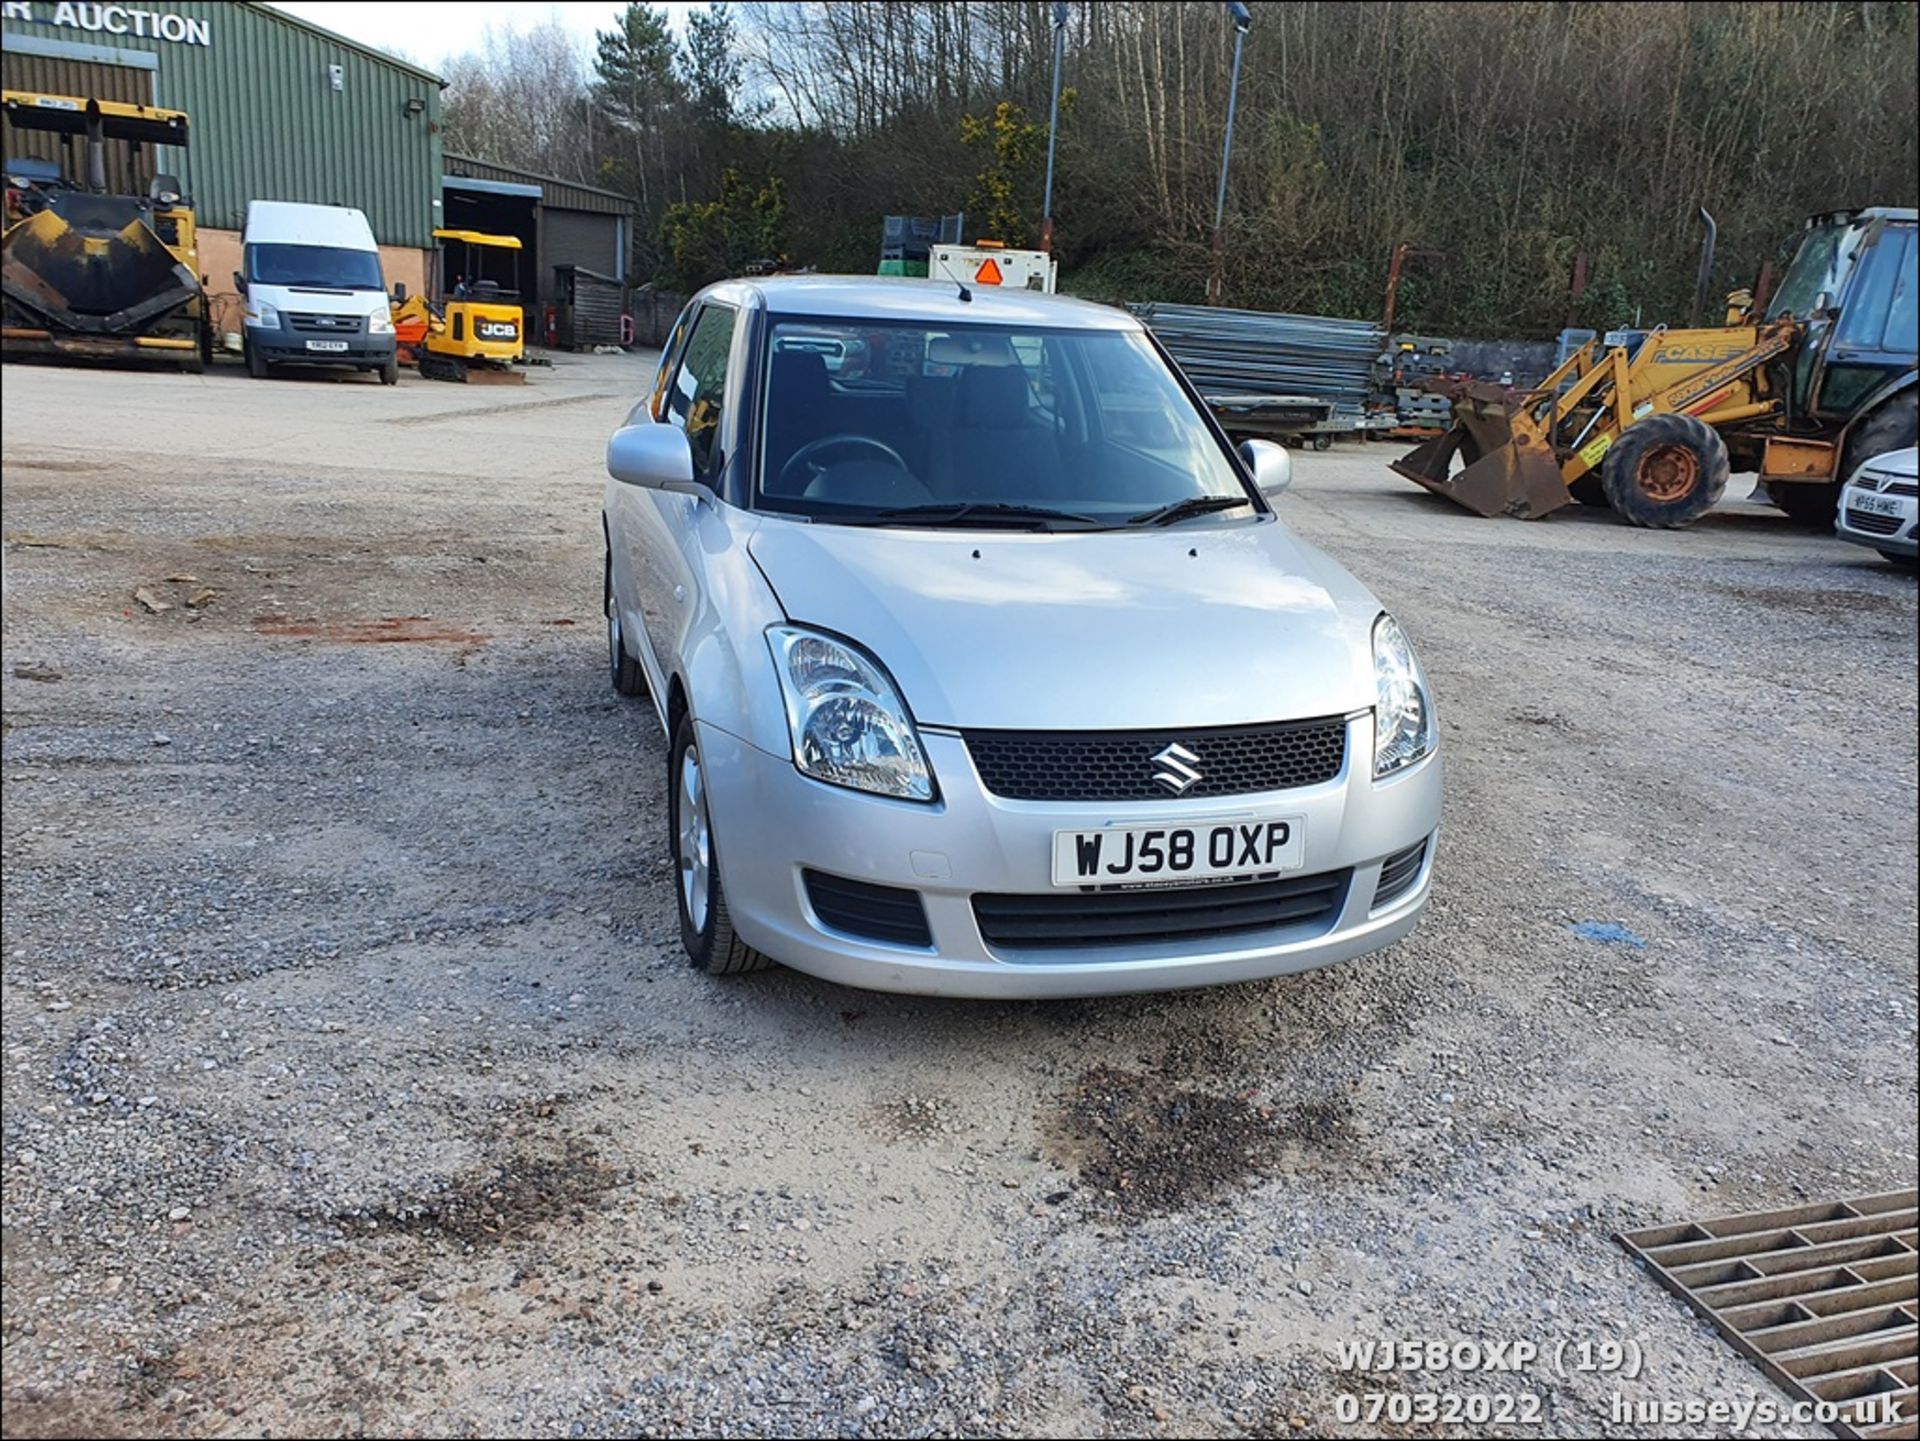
(804, 455)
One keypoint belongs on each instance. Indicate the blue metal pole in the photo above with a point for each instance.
(1226, 152)
(1053, 125)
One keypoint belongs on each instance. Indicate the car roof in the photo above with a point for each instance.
(885, 297)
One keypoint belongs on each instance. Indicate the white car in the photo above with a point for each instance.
(993, 671)
(1879, 504)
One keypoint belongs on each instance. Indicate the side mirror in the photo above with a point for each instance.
(1272, 467)
(239, 282)
(655, 456)
(399, 292)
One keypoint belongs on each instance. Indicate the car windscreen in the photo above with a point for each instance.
(864, 419)
(314, 267)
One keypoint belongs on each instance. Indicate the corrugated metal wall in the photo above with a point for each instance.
(267, 123)
(45, 75)
(564, 193)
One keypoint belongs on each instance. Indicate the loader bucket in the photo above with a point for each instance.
(1509, 468)
(103, 272)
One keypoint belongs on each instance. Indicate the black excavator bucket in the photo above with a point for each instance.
(1508, 466)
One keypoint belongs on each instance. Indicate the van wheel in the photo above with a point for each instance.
(1666, 471)
(256, 364)
(706, 927)
(390, 373)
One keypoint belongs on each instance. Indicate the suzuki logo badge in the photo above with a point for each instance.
(1177, 769)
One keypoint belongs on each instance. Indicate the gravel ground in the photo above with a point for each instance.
(355, 1082)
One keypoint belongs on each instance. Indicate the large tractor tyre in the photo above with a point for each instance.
(706, 925)
(1588, 490)
(1666, 471)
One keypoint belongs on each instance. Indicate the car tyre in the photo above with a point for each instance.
(390, 373)
(706, 925)
(1666, 471)
(1898, 561)
(256, 363)
(626, 673)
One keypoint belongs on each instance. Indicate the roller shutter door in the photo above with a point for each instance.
(577, 237)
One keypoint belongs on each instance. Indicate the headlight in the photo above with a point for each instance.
(849, 725)
(380, 322)
(1402, 713)
(261, 313)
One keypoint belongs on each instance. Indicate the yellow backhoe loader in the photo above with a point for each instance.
(88, 273)
(1819, 382)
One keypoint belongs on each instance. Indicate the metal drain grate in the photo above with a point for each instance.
(1822, 1296)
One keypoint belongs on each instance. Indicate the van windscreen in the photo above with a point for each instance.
(314, 267)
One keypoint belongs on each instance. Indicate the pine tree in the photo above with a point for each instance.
(709, 68)
(635, 84)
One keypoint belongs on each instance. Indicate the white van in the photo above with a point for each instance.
(315, 295)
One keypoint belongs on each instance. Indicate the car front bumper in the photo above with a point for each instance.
(772, 824)
(1891, 533)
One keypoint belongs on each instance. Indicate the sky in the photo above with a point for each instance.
(429, 33)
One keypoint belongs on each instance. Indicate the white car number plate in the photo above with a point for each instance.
(1193, 851)
(1876, 504)
(331, 346)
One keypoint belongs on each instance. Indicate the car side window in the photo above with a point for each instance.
(669, 358)
(697, 398)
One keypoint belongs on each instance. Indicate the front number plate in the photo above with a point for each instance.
(1198, 850)
(1876, 504)
(332, 347)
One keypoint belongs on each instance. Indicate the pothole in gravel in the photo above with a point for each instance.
(1148, 1148)
(912, 1118)
(484, 1207)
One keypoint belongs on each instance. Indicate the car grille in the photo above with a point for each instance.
(1186, 913)
(1885, 483)
(340, 325)
(1398, 873)
(890, 914)
(1121, 765)
(1872, 524)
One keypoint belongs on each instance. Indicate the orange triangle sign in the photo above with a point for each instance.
(988, 274)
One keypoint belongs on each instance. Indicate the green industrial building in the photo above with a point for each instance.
(276, 109)
(282, 110)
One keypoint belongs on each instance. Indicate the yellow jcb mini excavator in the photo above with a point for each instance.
(88, 273)
(1818, 383)
(473, 330)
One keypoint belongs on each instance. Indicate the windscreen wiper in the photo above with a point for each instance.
(987, 512)
(1188, 506)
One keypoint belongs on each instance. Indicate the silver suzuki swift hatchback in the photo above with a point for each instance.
(987, 666)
